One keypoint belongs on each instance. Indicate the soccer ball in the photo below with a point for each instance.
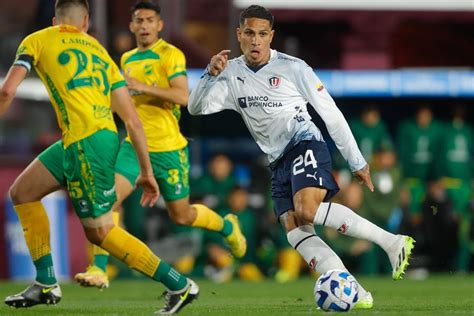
(336, 291)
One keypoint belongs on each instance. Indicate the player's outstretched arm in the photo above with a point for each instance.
(15, 76)
(122, 104)
(211, 95)
(364, 177)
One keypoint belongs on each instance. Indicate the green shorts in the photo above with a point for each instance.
(171, 170)
(52, 158)
(87, 169)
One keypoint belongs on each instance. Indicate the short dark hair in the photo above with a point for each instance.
(237, 188)
(256, 11)
(147, 4)
(63, 5)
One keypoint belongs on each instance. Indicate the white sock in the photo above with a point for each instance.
(314, 250)
(348, 222)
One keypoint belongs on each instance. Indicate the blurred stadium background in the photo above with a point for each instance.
(382, 61)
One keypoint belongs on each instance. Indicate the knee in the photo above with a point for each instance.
(306, 211)
(20, 193)
(97, 235)
(181, 218)
(16, 195)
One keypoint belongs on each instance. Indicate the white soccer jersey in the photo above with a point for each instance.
(272, 102)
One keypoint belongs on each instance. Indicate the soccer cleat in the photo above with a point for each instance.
(94, 276)
(176, 300)
(35, 294)
(399, 254)
(365, 301)
(236, 240)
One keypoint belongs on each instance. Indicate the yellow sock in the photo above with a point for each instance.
(35, 223)
(224, 261)
(290, 262)
(207, 218)
(250, 272)
(131, 251)
(185, 264)
(96, 250)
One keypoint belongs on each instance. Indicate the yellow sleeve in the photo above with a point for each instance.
(115, 77)
(122, 60)
(28, 52)
(176, 64)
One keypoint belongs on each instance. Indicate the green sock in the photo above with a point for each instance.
(44, 270)
(227, 229)
(100, 261)
(169, 277)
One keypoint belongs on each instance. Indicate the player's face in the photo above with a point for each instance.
(146, 24)
(255, 37)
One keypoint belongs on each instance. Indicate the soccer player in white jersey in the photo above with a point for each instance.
(271, 90)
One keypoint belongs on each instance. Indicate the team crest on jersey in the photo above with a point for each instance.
(148, 70)
(274, 82)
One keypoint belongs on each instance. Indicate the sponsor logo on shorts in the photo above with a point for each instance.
(308, 175)
(83, 205)
(178, 188)
(103, 205)
(319, 180)
(109, 192)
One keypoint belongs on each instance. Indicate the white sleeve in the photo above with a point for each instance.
(317, 95)
(210, 95)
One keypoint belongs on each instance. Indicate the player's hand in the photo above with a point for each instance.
(219, 62)
(134, 84)
(364, 177)
(151, 192)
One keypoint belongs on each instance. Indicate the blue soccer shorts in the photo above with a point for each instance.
(308, 164)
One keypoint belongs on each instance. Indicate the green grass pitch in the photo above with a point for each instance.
(438, 295)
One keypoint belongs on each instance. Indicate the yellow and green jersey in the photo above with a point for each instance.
(79, 76)
(156, 67)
